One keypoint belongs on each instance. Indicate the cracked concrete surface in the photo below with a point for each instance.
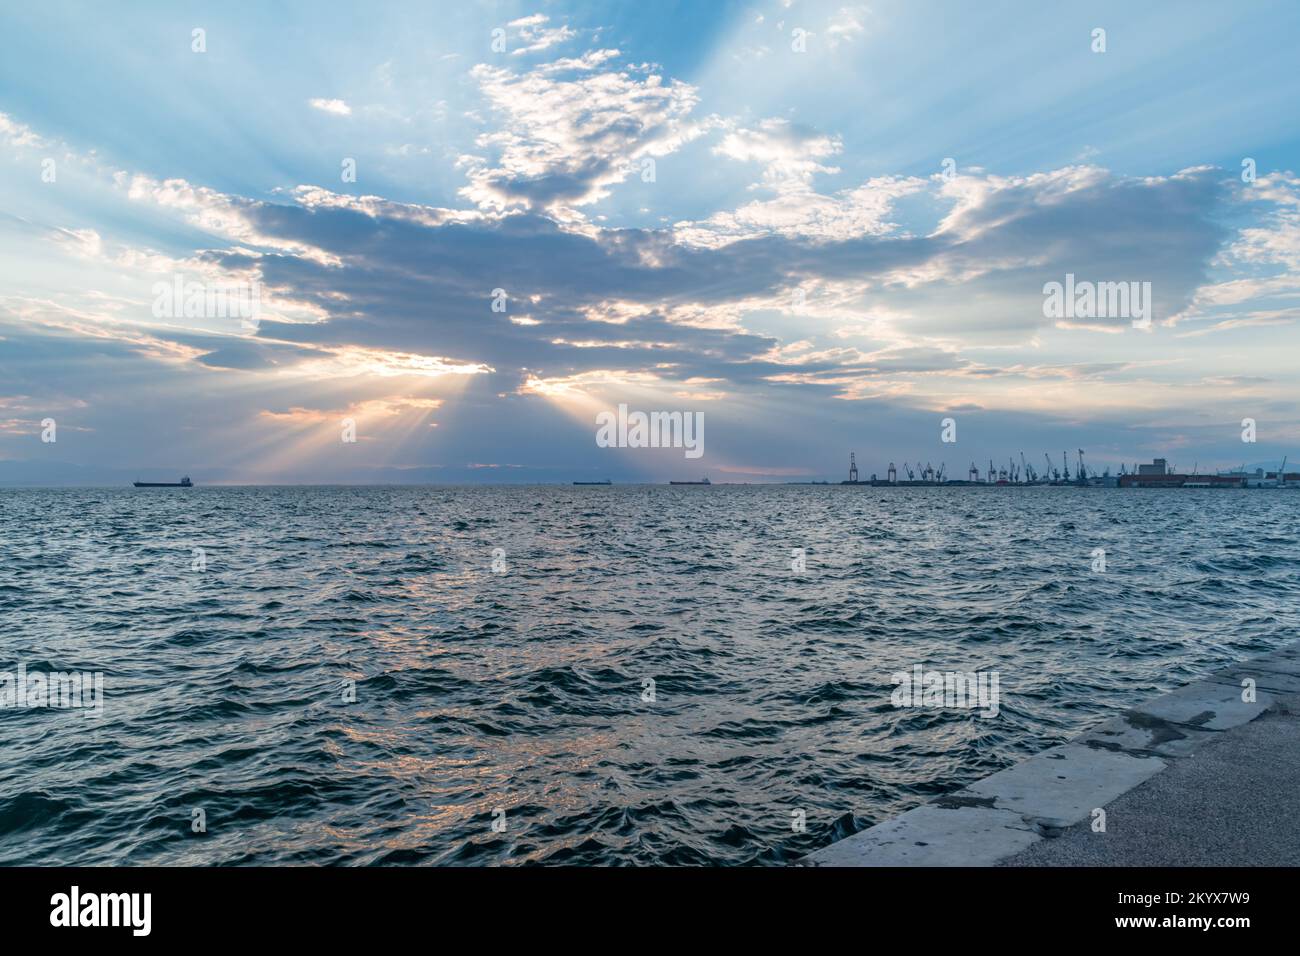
(1234, 802)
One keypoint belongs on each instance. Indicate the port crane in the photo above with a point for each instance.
(908, 468)
(943, 467)
(1083, 472)
(892, 474)
(853, 468)
(973, 475)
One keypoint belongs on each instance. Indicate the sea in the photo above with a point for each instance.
(598, 675)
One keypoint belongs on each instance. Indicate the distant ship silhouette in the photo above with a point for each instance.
(183, 483)
(702, 481)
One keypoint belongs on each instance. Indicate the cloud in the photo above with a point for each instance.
(337, 107)
(803, 288)
(413, 279)
(588, 61)
(535, 36)
(791, 157)
(803, 213)
(789, 153)
(564, 140)
(846, 25)
(231, 217)
(18, 134)
(372, 276)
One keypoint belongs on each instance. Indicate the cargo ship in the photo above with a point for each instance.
(702, 481)
(605, 482)
(183, 483)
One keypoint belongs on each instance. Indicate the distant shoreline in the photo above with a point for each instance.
(900, 486)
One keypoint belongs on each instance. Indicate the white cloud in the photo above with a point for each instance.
(337, 107)
(789, 153)
(229, 216)
(791, 156)
(846, 25)
(536, 36)
(18, 134)
(803, 213)
(588, 61)
(562, 142)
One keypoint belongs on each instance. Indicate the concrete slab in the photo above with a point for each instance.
(1062, 786)
(1281, 663)
(1207, 705)
(932, 836)
(1278, 682)
(1235, 803)
(1141, 735)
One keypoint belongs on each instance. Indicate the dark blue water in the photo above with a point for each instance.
(523, 690)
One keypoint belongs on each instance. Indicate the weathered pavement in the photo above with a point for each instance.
(1196, 777)
(1234, 802)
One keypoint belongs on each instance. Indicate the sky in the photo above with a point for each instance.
(472, 228)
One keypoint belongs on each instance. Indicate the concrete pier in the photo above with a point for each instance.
(1200, 776)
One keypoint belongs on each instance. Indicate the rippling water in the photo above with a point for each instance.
(225, 688)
